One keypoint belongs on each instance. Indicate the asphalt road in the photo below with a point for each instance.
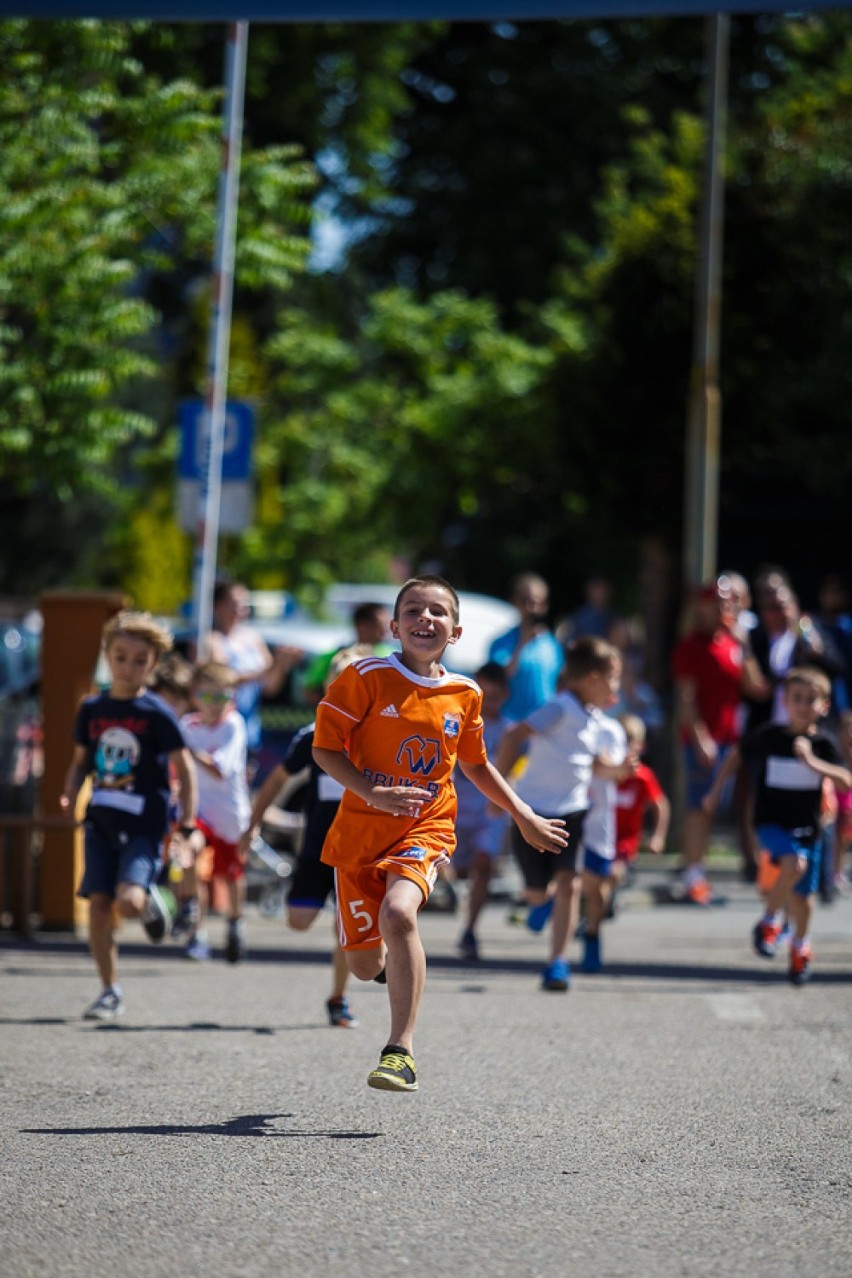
(686, 1112)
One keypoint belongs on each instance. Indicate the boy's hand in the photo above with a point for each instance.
(545, 834)
(803, 750)
(655, 845)
(399, 800)
(245, 843)
(67, 800)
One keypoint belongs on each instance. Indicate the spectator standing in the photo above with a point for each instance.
(595, 616)
(532, 655)
(234, 643)
(371, 624)
(783, 638)
(712, 674)
(126, 739)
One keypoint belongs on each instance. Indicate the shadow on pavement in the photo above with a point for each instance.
(242, 1125)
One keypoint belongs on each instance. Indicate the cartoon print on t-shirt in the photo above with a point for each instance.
(116, 756)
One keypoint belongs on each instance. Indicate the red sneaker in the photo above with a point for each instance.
(766, 937)
(699, 893)
(800, 964)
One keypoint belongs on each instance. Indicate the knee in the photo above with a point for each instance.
(397, 919)
(130, 903)
(300, 920)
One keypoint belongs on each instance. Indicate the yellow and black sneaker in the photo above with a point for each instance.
(395, 1071)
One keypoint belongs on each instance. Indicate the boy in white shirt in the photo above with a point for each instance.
(216, 736)
(599, 838)
(563, 739)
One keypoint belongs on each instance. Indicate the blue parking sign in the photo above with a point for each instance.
(237, 445)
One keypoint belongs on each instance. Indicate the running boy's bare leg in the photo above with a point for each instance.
(102, 943)
(406, 958)
(566, 912)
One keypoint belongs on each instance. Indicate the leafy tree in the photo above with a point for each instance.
(108, 175)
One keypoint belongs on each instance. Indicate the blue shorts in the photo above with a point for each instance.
(487, 839)
(594, 863)
(780, 843)
(119, 858)
(699, 779)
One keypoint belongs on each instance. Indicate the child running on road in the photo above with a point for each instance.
(599, 838)
(390, 730)
(790, 762)
(126, 739)
(637, 794)
(216, 735)
(313, 882)
(563, 739)
(480, 831)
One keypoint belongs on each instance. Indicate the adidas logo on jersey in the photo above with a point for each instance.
(389, 712)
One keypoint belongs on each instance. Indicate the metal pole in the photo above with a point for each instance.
(216, 389)
(701, 514)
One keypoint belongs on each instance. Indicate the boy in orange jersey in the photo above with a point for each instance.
(390, 730)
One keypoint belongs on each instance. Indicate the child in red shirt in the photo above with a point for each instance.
(636, 795)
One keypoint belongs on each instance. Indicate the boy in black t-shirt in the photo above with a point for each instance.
(790, 761)
(313, 881)
(125, 739)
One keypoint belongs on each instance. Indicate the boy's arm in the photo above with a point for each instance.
(661, 808)
(540, 832)
(688, 718)
(396, 800)
(77, 772)
(732, 761)
(840, 775)
(184, 767)
(266, 795)
(510, 747)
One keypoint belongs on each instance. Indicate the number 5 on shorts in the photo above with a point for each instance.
(361, 914)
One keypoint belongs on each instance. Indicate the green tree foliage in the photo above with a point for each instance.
(108, 175)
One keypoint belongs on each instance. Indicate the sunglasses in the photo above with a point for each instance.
(214, 698)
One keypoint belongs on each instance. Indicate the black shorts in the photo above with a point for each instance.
(312, 883)
(538, 868)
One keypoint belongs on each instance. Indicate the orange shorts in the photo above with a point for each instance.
(360, 892)
(219, 859)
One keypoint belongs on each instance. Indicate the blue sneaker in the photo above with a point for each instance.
(538, 915)
(592, 961)
(556, 976)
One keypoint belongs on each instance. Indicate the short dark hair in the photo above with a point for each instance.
(589, 655)
(428, 579)
(367, 611)
(494, 672)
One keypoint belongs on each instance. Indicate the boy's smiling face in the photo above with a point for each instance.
(425, 623)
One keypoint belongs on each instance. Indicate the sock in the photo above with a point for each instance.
(801, 942)
(693, 874)
(770, 917)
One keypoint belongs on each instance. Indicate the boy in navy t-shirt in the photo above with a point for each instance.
(125, 740)
(789, 762)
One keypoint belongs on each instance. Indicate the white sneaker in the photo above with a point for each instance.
(155, 917)
(108, 1004)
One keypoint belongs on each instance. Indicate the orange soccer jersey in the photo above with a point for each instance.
(398, 728)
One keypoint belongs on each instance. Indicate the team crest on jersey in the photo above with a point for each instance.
(452, 724)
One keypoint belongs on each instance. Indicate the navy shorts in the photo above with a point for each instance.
(780, 843)
(600, 866)
(312, 884)
(118, 857)
(538, 868)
